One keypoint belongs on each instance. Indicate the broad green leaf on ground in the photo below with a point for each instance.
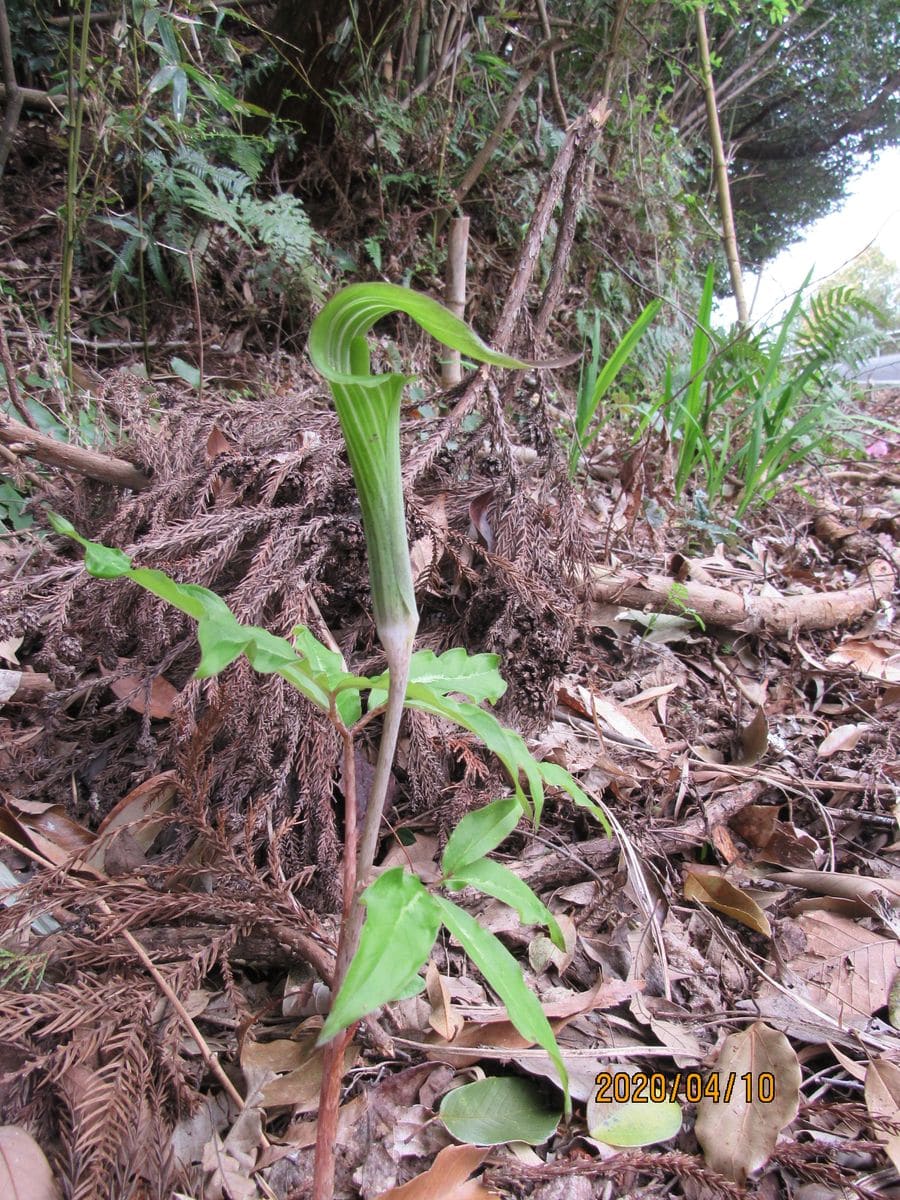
(501, 883)
(480, 832)
(446, 1179)
(883, 1100)
(756, 1093)
(402, 922)
(622, 1110)
(708, 886)
(505, 976)
(24, 1171)
(508, 745)
(493, 1111)
(475, 676)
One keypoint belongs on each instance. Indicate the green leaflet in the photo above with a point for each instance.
(402, 922)
(505, 976)
(588, 404)
(501, 883)
(368, 409)
(508, 745)
(559, 777)
(222, 637)
(473, 675)
(480, 832)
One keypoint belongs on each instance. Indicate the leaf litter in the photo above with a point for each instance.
(197, 821)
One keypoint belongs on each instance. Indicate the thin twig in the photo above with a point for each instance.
(12, 385)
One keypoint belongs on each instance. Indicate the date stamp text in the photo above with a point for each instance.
(620, 1087)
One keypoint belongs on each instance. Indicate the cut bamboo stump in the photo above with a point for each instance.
(455, 293)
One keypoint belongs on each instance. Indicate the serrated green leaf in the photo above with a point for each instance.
(505, 976)
(490, 1112)
(480, 832)
(402, 923)
(475, 676)
(559, 777)
(508, 745)
(501, 883)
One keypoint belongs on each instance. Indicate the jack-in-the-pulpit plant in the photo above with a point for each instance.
(379, 961)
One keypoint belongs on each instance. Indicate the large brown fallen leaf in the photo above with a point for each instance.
(865, 888)
(876, 659)
(883, 1100)
(708, 886)
(24, 1171)
(847, 969)
(447, 1178)
(758, 1083)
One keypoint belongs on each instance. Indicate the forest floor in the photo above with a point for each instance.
(730, 695)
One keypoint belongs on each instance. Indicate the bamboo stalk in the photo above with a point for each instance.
(455, 293)
(720, 171)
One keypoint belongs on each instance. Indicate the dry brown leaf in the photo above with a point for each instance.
(845, 737)
(709, 886)
(443, 1018)
(848, 969)
(24, 1171)
(421, 554)
(883, 1100)
(775, 841)
(633, 726)
(48, 830)
(759, 1093)
(876, 658)
(137, 819)
(543, 953)
(300, 1134)
(217, 443)
(299, 1088)
(133, 689)
(863, 888)
(856, 1070)
(754, 739)
(685, 1047)
(446, 1179)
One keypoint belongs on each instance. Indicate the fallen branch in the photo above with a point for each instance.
(735, 610)
(35, 98)
(22, 440)
(24, 687)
